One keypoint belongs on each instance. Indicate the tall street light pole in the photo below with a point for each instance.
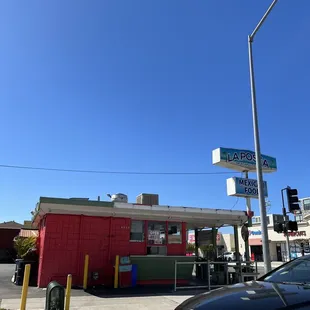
(261, 196)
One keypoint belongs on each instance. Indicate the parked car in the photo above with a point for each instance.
(230, 256)
(286, 287)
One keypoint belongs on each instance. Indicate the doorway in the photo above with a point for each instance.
(279, 253)
(257, 250)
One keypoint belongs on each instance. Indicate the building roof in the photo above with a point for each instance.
(194, 217)
(10, 225)
(28, 233)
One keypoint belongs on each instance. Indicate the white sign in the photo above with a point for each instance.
(242, 187)
(242, 160)
(155, 236)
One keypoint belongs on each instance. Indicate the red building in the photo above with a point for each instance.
(152, 236)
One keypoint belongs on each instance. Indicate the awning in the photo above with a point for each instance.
(258, 241)
(255, 241)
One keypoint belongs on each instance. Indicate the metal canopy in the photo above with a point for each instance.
(194, 217)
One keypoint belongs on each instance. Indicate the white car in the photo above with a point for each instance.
(231, 256)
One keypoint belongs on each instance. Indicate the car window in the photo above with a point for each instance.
(295, 271)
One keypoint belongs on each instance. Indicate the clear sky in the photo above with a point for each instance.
(148, 86)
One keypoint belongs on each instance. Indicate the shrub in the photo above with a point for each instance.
(25, 247)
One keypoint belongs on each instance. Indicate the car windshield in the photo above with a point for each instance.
(296, 271)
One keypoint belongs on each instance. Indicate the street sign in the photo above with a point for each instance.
(242, 187)
(242, 160)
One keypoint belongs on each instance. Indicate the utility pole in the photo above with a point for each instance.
(261, 196)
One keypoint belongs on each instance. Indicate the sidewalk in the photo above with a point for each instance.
(97, 303)
(273, 264)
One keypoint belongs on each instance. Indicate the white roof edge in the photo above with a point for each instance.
(178, 209)
(203, 217)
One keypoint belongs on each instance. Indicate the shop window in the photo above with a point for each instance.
(137, 231)
(156, 233)
(174, 233)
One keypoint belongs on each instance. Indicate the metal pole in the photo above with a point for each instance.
(23, 299)
(248, 209)
(261, 196)
(209, 275)
(288, 249)
(68, 292)
(175, 274)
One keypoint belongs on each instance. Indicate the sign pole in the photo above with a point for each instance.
(248, 210)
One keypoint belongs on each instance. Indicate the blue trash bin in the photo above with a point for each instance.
(134, 275)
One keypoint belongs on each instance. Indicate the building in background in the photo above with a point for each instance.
(305, 208)
(224, 242)
(277, 242)
(8, 231)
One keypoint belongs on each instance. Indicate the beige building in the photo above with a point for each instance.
(277, 241)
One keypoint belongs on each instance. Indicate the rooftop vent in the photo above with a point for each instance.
(118, 197)
(148, 199)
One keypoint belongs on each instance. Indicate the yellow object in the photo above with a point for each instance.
(85, 278)
(23, 299)
(68, 292)
(116, 271)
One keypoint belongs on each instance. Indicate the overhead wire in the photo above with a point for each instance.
(111, 172)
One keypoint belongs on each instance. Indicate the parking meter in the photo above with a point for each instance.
(55, 296)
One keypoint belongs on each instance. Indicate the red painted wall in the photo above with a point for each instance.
(65, 239)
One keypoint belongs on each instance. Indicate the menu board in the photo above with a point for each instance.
(154, 235)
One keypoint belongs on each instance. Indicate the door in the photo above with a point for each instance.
(279, 253)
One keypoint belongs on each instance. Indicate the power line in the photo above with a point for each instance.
(110, 172)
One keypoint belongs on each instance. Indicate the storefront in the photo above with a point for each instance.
(277, 241)
(153, 237)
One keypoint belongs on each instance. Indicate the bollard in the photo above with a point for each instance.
(85, 278)
(55, 296)
(116, 267)
(68, 292)
(23, 299)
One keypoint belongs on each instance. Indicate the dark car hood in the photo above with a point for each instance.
(251, 295)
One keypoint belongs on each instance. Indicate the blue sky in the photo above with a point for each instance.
(148, 86)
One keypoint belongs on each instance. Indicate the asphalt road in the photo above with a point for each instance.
(8, 290)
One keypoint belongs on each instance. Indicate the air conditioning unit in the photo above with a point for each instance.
(148, 199)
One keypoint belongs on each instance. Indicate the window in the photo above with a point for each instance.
(156, 233)
(137, 231)
(306, 204)
(174, 233)
(295, 271)
(256, 220)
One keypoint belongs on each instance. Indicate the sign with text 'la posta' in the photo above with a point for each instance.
(242, 160)
(241, 187)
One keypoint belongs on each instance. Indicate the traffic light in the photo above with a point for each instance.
(278, 227)
(291, 226)
(292, 199)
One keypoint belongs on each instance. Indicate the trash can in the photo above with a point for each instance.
(20, 270)
(134, 275)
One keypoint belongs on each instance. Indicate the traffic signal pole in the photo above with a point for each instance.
(286, 231)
